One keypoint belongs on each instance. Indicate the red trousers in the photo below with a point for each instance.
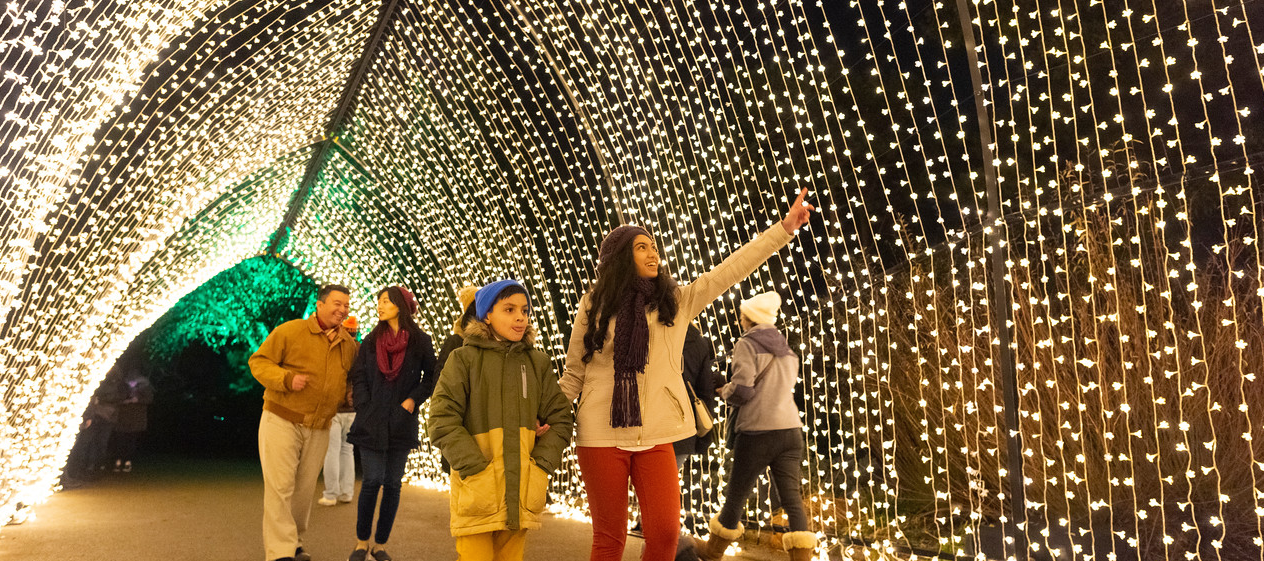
(606, 471)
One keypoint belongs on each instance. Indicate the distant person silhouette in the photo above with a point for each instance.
(133, 418)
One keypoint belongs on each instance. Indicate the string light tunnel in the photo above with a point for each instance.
(1030, 309)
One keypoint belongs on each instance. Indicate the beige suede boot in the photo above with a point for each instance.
(717, 542)
(800, 545)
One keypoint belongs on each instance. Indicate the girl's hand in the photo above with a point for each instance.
(540, 429)
(798, 214)
(409, 405)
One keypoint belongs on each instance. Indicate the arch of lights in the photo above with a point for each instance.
(1064, 265)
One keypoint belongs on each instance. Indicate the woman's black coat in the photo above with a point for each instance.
(381, 422)
(696, 361)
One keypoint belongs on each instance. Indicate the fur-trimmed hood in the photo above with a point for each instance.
(479, 334)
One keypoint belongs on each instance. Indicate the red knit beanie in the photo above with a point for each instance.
(409, 298)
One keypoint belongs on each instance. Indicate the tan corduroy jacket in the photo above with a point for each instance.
(299, 347)
(666, 412)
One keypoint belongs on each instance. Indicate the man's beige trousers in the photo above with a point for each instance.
(291, 457)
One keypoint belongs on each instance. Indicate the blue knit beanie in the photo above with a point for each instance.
(486, 297)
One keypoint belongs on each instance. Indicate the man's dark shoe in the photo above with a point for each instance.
(381, 555)
(300, 555)
(358, 555)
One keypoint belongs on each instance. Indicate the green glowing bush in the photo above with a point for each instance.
(233, 312)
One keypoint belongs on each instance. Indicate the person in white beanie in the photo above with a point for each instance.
(767, 428)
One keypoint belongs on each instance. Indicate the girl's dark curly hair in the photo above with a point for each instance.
(614, 280)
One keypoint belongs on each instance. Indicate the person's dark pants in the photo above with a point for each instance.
(383, 470)
(76, 461)
(97, 437)
(125, 444)
(780, 450)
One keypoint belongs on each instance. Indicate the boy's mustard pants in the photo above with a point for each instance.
(502, 545)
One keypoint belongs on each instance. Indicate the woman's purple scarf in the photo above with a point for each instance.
(631, 351)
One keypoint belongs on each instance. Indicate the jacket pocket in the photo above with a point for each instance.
(537, 495)
(680, 411)
(475, 495)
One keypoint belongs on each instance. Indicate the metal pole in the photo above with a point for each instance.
(584, 120)
(1000, 301)
(341, 112)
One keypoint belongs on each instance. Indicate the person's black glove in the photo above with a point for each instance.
(718, 380)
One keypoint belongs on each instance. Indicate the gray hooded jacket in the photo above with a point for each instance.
(768, 404)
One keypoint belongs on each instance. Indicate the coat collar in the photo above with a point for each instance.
(479, 334)
(314, 326)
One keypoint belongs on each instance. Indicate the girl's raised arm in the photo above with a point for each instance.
(699, 294)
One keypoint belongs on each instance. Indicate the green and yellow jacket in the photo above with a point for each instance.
(482, 418)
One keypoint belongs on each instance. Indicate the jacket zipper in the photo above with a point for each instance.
(523, 369)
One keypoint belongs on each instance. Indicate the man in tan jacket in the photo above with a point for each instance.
(303, 367)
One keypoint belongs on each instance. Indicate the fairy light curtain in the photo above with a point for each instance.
(504, 138)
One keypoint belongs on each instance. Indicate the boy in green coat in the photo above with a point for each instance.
(502, 422)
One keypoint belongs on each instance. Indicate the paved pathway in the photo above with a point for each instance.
(212, 509)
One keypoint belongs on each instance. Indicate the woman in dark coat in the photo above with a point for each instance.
(696, 368)
(697, 361)
(392, 376)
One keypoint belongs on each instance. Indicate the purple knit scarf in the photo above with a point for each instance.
(631, 351)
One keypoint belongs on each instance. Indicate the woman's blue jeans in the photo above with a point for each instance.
(383, 470)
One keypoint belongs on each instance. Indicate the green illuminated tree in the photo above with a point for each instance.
(233, 312)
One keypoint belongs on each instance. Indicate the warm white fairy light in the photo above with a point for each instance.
(506, 139)
(135, 174)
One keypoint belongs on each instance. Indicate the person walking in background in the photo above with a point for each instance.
(454, 341)
(98, 423)
(697, 361)
(339, 470)
(465, 297)
(501, 421)
(102, 420)
(392, 376)
(634, 404)
(768, 430)
(302, 366)
(133, 419)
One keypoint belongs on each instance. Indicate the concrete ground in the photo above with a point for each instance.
(212, 509)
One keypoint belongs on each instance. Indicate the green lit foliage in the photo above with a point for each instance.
(233, 312)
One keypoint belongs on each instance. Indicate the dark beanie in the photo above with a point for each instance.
(619, 237)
